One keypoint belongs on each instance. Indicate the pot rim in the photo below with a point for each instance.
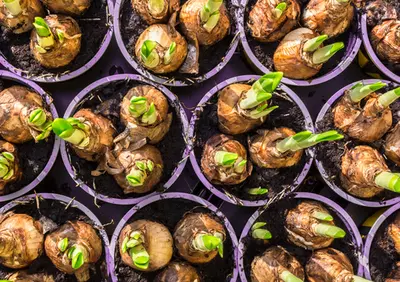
(321, 169)
(70, 75)
(309, 125)
(76, 204)
(344, 216)
(354, 43)
(176, 195)
(102, 82)
(157, 78)
(371, 52)
(56, 146)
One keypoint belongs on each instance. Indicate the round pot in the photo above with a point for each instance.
(65, 74)
(342, 218)
(85, 96)
(35, 199)
(195, 153)
(191, 202)
(14, 79)
(345, 57)
(371, 52)
(172, 79)
(381, 222)
(327, 178)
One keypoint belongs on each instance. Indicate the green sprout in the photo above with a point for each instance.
(388, 180)
(323, 54)
(306, 139)
(280, 9)
(60, 35)
(257, 232)
(328, 230)
(72, 130)
(140, 256)
(7, 160)
(169, 53)
(138, 106)
(240, 166)
(137, 176)
(13, 6)
(389, 97)
(150, 117)
(210, 14)
(208, 243)
(44, 36)
(313, 44)
(257, 191)
(287, 276)
(156, 7)
(149, 54)
(225, 159)
(63, 244)
(360, 91)
(322, 216)
(75, 254)
(37, 117)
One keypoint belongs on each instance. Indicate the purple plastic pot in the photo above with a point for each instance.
(75, 204)
(352, 48)
(340, 212)
(10, 76)
(371, 52)
(325, 109)
(84, 94)
(196, 166)
(203, 203)
(371, 235)
(191, 80)
(70, 75)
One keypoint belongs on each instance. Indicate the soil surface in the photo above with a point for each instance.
(264, 52)
(94, 25)
(330, 153)
(276, 180)
(275, 217)
(132, 26)
(105, 100)
(169, 212)
(31, 164)
(56, 211)
(383, 255)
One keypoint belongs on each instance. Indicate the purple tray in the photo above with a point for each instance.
(214, 91)
(76, 103)
(10, 76)
(193, 198)
(351, 226)
(331, 184)
(76, 204)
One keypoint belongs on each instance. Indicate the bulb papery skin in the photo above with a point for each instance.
(139, 130)
(292, 60)
(265, 26)
(22, 276)
(360, 166)
(68, 7)
(263, 151)
(186, 230)
(21, 240)
(394, 232)
(17, 172)
(368, 123)
(231, 118)
(394, 276)
(218, 174)
(300, 226)
(378, 11)
(23, 21)
(329, 265)
(16, 104)
(193, 27)
(392, 144)
(142, 8)
(61, 53)
(164, 35)
(128, 158)
(157, 241)
(178, 272)
(329, 17)
(385, 39)
(272, 263)
(100, 135)
(79, 234)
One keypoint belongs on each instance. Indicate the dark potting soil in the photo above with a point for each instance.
(330, 153)
(276, 180)
(169, 212)
(275, 217)
(383, 255)
(59, 214)
(264, 52)
(105, 100)
(31, 164)
(132, 26)
(94, 25)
